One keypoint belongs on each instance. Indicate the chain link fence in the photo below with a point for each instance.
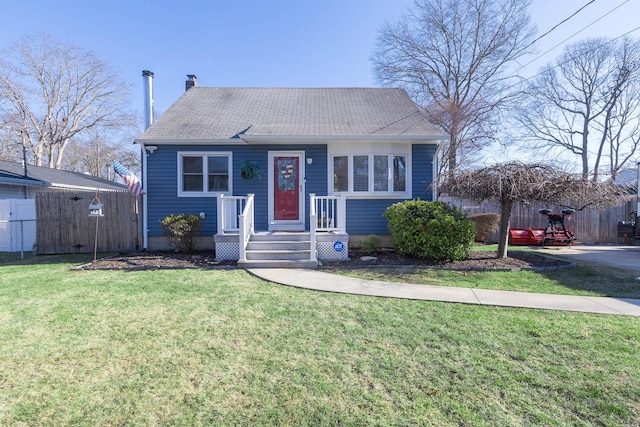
(17, 239)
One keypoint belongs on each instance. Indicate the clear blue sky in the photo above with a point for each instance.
(296, 43)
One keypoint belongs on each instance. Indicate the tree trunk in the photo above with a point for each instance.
(505, 217)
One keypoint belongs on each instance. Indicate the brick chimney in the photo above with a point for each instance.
(192, 81)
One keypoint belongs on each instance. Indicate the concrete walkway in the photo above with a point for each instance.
(321, 281)
(618, 256)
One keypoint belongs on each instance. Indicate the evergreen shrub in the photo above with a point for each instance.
(431, 230)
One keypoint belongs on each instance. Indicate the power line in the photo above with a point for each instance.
(559, 23)
(574, 34)
(583, 53)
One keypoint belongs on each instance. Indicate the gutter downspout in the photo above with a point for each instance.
(434, 169)
(147, 77)
(638, 195)
(145, 220)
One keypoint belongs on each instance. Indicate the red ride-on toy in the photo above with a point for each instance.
(555, 233)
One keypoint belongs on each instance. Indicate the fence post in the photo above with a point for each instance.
(342, 214)
(313, 224)
(219, 214)
(21, 239)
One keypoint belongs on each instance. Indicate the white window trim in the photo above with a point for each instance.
(205, 154)
(371, 150)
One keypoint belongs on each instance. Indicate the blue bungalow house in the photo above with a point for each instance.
(286, 176)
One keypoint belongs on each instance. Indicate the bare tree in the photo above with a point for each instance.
(451, 57)
(94, 153)
(53, 92)
(622, 130)
(10, 149)
(586, 105)
(512, 182)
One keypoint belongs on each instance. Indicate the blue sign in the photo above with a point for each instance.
(338, 246)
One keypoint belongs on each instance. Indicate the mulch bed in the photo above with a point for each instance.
(477, 260)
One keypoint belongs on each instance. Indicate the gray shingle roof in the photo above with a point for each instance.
(211, 113)
(13, 173)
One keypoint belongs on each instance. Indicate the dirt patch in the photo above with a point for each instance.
(153, 260)
(477, 260)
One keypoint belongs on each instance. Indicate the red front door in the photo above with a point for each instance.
(286, 191)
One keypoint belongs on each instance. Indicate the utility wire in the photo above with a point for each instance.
(559, 23)
(574, 34)
(583, 53)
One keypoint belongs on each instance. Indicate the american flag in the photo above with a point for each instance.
(132, 181)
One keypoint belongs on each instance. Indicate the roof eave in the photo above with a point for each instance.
(28, 182)
(186, 141)
(266, 139)
(293, 139)
(85, 188)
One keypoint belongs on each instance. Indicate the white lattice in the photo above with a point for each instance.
(327, 252)
(227, 251)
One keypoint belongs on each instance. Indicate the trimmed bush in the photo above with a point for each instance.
(182, 230)
(431, 230)
(486, 224)
(371, 244)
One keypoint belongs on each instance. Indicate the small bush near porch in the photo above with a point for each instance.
(218, 347)
(182, 230)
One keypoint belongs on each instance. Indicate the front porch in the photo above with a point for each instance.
(236, 239)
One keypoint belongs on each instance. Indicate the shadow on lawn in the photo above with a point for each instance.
(52, 259)
(604, 280)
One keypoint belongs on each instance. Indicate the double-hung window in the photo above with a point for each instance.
(204, 174)
(370, 174)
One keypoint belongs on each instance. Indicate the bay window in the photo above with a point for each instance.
(370, 174)
(360, 173)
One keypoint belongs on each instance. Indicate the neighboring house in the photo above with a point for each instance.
(18, 187)
(18, 183)
(628, 177)
(331, 160)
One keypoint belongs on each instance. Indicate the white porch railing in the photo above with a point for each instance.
(235, 216)
(330, 213)
(326, 214)
(246, 220)
(313, 225)
(229, 209)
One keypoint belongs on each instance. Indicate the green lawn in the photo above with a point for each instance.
(220, 347)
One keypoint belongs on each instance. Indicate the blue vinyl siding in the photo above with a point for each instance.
(162, 185)
(364, 216)
(422, 170)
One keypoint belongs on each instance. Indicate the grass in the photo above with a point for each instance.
(220, 347)
(9, 257)
(586, 280)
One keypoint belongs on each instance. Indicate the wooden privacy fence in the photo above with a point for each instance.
(64, 225)
(589, 225)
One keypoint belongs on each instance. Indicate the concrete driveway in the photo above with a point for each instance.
(618, 256)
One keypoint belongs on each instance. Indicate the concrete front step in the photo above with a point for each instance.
(278, 254)
(228, 245)
(284, 245)
(279, 250)
(278, 264)
(289, 236)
